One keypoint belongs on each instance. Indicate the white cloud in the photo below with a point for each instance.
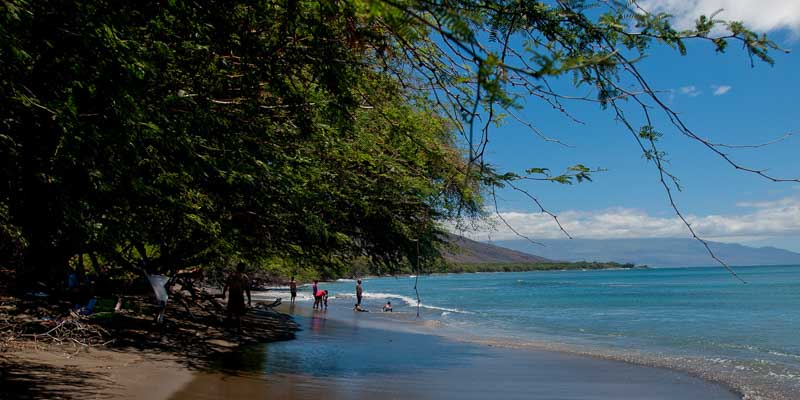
(721, 89)
(759, 220)
(759, 15)
(771, 204)
(690, 91)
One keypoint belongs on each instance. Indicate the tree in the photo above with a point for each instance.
(479, 59)
(164, 135)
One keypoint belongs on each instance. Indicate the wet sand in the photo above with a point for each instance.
(344, 355)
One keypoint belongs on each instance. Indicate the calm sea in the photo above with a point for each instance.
(700, 320)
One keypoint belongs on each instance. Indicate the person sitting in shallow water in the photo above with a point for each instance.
(387, 307)
(359, 309)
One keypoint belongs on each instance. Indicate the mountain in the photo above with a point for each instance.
(666, 252)
(466, 251)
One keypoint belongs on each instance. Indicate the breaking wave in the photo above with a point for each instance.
(409, 301)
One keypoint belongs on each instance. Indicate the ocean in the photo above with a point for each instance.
(699, 320)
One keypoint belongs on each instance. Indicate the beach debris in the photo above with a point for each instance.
(268, 306)
(73, 330)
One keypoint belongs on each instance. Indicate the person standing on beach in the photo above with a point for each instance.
(359, 291)
(293, 288)
(237, 284)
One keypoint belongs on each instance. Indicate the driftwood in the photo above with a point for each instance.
(73, 330)
(265, 305)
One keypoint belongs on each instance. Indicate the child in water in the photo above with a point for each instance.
(321, 299)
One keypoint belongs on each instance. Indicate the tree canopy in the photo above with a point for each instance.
(164, 135)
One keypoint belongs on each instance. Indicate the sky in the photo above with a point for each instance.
(721, 97)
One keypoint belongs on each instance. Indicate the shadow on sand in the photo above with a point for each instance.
(30, 380)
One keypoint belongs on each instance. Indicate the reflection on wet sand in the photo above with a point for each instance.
(318, 321)
(335, 358)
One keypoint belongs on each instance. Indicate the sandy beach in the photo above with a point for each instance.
(505, 200)
(91, 374)
(339, 354)
(142, 361)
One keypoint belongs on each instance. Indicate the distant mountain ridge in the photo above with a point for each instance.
(666, 252)
(466, 251)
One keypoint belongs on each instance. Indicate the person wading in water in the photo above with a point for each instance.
(293, 288)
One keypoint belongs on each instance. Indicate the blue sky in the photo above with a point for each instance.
(719, 96)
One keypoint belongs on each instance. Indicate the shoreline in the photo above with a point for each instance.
(719, 372)
(640, 360)
(696, 367)
(700, 341)
(344, 355)
(132, 373)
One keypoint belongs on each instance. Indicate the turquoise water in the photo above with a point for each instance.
(697, 319)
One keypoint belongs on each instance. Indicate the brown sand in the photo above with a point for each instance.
(90, 374)
(327, 362)
(144, 360)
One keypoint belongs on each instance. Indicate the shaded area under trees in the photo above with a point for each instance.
(159, 136)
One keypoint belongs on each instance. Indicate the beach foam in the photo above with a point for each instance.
(409, 301)
(283, 295)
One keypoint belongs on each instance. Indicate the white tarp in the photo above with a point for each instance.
(158, 282)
